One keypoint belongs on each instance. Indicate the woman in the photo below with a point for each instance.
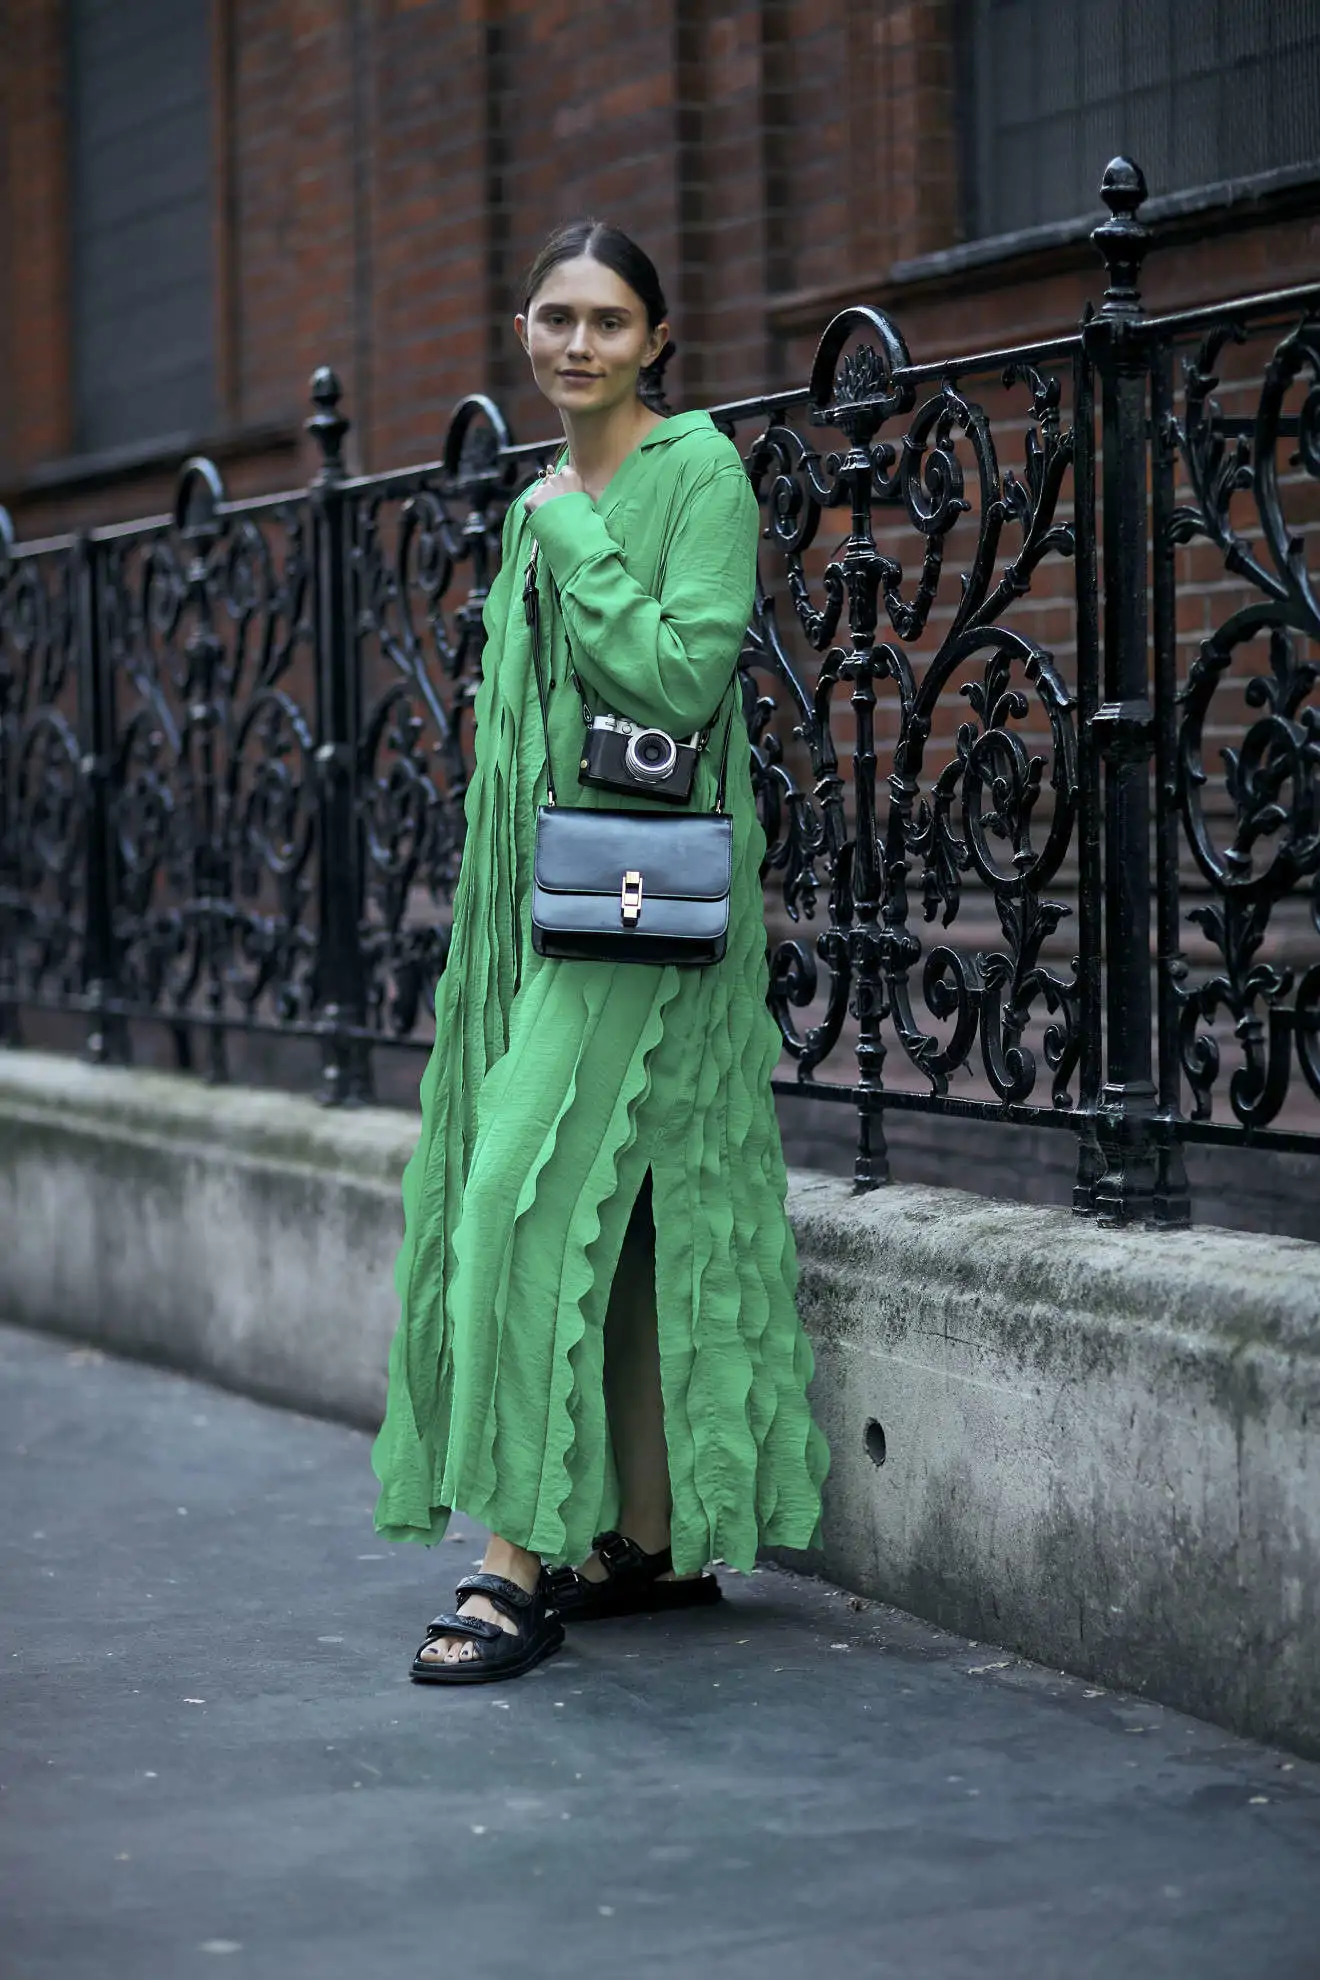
(598, 1326)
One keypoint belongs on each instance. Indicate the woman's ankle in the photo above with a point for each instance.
(649, 1532)
(514, 1563)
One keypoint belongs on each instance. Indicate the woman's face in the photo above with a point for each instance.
(587, 336)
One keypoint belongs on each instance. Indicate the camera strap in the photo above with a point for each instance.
(532, 611)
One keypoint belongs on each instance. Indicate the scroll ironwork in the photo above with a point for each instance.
(1031, 854)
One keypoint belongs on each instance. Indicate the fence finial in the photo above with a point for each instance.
(327, 424)
(197, 497)
(1122, 239)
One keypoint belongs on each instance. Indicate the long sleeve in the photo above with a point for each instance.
(666, 660)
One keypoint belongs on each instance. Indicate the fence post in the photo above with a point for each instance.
(107, 1033)
(1090, 882)
(1172, 1203)
(341, 996)
(1122, 728)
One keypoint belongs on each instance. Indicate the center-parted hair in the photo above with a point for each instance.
(618, 252)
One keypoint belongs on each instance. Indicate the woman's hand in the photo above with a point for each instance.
(566, 482)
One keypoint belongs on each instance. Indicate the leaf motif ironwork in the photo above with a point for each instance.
(43, 791)
(1270, 779)
(213, 790)
(425, 548)
(985, 796)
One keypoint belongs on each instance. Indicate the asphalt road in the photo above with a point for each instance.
(212, 1762)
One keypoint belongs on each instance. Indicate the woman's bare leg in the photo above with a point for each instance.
(635, 1409)
(633, 1399)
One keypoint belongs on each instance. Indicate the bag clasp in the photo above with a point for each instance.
(630, 898)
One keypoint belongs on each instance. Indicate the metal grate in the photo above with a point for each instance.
(141, 219)
(1199, 90)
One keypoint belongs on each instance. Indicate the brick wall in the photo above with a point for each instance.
(386, 168)
(35, 409)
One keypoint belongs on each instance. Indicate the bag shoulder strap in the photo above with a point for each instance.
(532, 608)
(724, 752)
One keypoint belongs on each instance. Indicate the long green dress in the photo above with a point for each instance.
(554, 1086)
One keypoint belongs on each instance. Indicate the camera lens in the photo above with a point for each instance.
(651, 755)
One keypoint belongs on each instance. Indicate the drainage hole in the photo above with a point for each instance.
(875, 1442)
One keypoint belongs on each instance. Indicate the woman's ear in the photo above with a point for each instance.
(659, 338)
(520, 331)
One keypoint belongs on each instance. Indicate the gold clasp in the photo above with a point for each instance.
(630, 898)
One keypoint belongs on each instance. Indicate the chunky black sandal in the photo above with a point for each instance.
(540, 1633)
(632, 1586)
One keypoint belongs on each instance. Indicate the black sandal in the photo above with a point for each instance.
(632, 1584)
(540, 1633)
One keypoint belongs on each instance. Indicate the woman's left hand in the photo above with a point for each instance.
(567, 481)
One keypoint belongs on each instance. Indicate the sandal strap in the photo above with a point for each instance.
(562, 1581)
(477, 1627)
(518, 1604)
(621, 1556)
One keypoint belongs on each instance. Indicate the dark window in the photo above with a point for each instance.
(140, 185)
(1195, 90)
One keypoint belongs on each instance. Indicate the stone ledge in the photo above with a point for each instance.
(369, 1143)
(244, 1235)
(1100, 1448)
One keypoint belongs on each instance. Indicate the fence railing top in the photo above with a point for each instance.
(1265, 309)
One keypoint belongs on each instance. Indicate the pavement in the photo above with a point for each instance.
(212, 1762)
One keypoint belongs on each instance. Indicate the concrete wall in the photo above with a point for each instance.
(244, 1234)
(1101, 1449)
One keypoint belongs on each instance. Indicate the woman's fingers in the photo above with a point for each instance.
(566, 481)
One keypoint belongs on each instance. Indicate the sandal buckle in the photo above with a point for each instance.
(615, 1551)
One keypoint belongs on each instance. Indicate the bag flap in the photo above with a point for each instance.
(587, 851)
(680, 923)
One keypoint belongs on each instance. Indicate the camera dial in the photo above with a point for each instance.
(650, 755)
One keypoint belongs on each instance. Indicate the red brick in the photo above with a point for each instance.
(388, 191)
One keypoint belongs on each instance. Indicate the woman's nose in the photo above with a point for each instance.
(579, 343)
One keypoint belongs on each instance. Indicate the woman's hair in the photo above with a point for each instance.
(617, 251)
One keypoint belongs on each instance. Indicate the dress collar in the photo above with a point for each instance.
(674, 427)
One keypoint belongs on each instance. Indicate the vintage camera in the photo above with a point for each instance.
(619, 755)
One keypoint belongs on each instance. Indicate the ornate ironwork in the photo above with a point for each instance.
(419, 650)
(1260, 844)
(235, 742)
(43, 781)
(212, 784)
(984, 796)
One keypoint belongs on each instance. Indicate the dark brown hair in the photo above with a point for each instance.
(619, 252)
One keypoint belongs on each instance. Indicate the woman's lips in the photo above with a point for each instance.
(581, 377)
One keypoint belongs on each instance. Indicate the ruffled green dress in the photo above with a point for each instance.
(554, 1086)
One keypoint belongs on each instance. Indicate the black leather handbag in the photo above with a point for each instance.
(627, 886)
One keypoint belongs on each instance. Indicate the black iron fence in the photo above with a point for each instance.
(235, 741)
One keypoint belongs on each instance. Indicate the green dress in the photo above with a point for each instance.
(554, 1086)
